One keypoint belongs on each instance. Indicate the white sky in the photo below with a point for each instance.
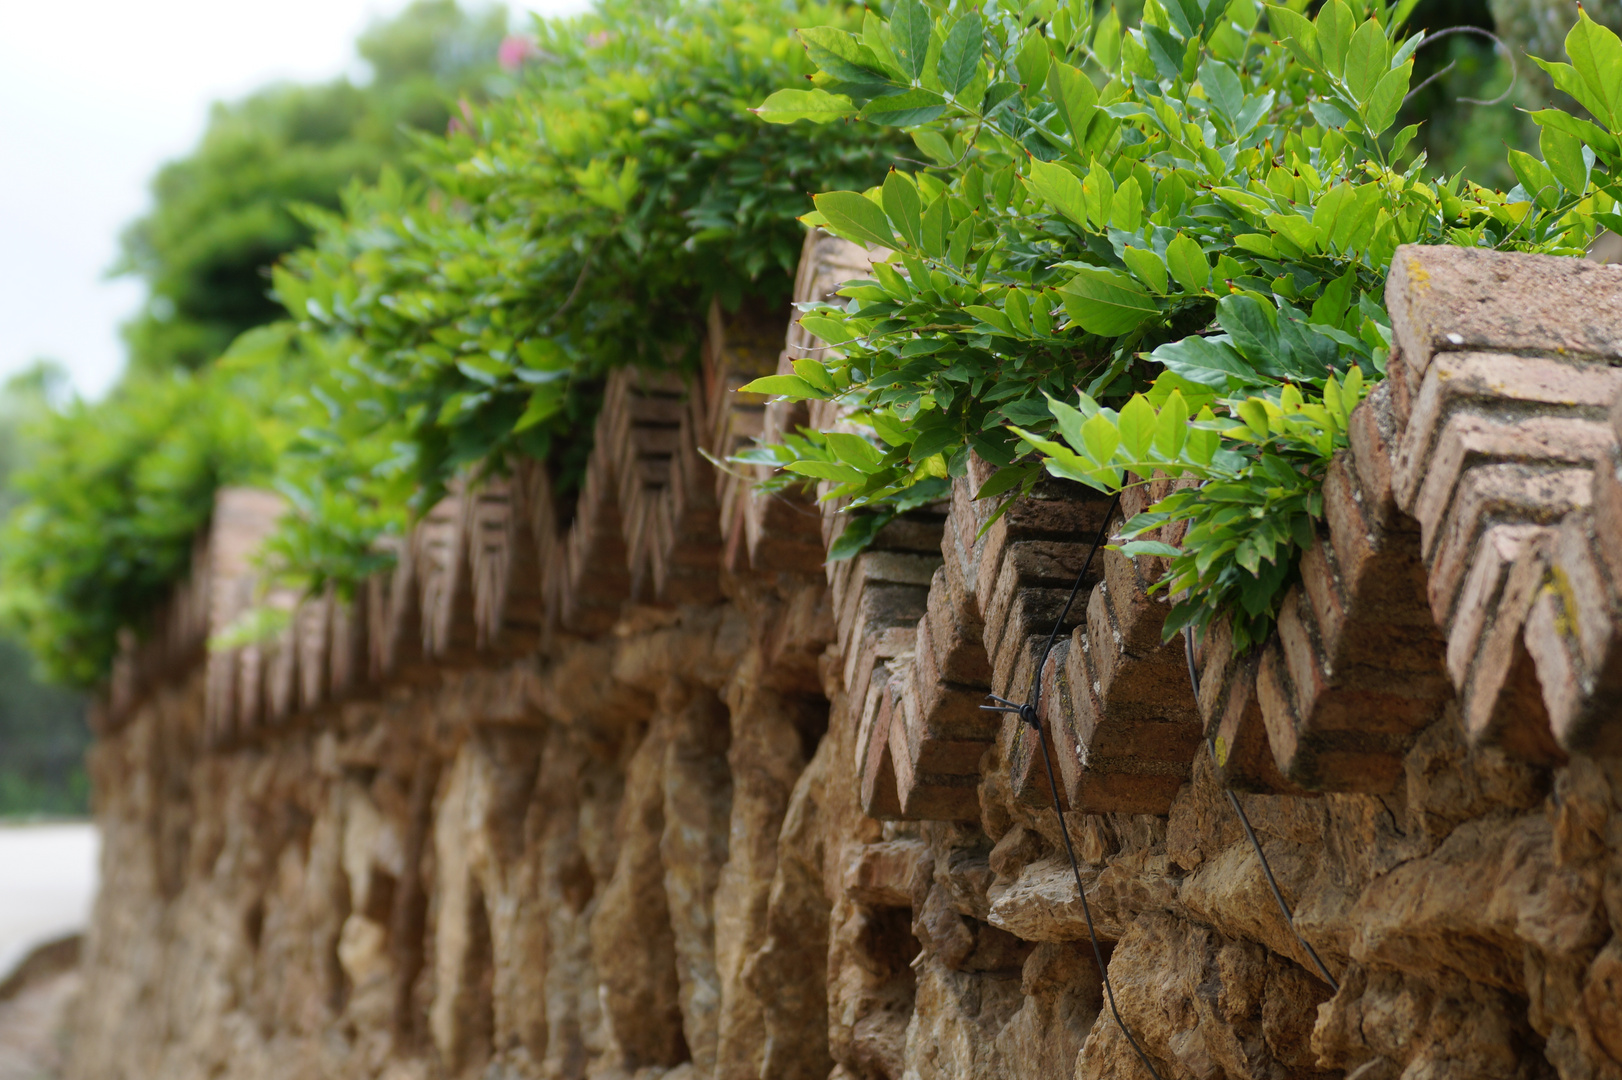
(94, 96)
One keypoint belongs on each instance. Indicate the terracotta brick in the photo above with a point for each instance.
(1320, 760)
(1484, 385)
(1136, 616)
(1216, 662)
(1372, 431)
(919, 531)
(959, 652)
(924, 795)
(960, 566)
(1121, 678)
(1239, 743)
(1491, 560)
(876, 649)
(1501, 700)
(1500, 492)
(886, 574)
(1047, 565)
(880, 798)
(1572, 636)
(1468, 441)
(950, 709)
(1054, 511)
(1453, 299)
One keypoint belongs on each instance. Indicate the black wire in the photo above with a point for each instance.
(1028, 715)
(1244, 819)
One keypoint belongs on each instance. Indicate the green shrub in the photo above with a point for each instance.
(582, 224)
(1183, 228)
(112, 498)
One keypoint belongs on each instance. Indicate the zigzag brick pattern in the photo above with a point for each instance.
(1470, 549)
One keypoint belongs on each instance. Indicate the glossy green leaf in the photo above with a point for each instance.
(818, 106)
(1106, 302)
(904, 207)
(1147, 267)
(855, 217)
(960, 55)
(1060, 188)
(1187, 263)
(789, 386)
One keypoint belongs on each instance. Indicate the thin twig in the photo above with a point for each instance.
(1514, 71)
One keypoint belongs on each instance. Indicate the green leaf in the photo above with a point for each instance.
(1334, 26)
(910, 26)
(1137, 427)
(843, 58)
(1032, 61)
(817, 106)
(1099, 439)
(1563, 154)
(1135, 548)
(937, 220)
(1126, 209)
(1366, 58)
(1187, 263)
(1171, 426)
(1535, 177)
(830, 331)
(1106, 302)
(1059, 187)
(860, 530)
(814, 374)
(1005, 479)
(1147, 267)
(1402, 139)
(1296, 229)
(544, 403)
(1386, 98)
(1296, 31)
(1596, 54)
(853, 450)
(1222, 89)
(1099, 191)
(789, 386)
(991, 316)
(905, 109)
(1207, 362)
(1107, 40)
(960, 56)
(855, 217)
(827, 470)
(1591, 134)
(1073, 93)
(905, 209)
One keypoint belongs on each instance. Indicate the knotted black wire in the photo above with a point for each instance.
(1027, 714)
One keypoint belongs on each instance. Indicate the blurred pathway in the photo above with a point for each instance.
(47, 884)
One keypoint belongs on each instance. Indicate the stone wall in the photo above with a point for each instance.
(639, 788)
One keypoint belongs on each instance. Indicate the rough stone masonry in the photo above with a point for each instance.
(639, 787)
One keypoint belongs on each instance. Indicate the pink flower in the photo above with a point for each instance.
(514, 52)
(598, 39)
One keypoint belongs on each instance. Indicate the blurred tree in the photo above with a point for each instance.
(221, 215)
(42, 728)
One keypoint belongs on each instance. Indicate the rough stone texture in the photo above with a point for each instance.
(674, 800)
